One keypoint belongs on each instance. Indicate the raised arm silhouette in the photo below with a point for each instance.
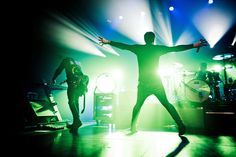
(148, 56)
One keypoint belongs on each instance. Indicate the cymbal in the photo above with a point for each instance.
(223, 56)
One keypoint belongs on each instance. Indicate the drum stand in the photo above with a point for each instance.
(226, 85)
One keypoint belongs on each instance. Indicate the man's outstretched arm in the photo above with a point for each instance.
(116, 44)
(184, 47)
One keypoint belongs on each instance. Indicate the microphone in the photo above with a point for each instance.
(203, 44)
(198, 49)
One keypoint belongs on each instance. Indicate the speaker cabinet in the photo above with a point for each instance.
(104, 106)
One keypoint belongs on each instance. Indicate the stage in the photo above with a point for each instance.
(95, 140)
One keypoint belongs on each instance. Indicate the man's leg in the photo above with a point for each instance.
(141, 96)
(161, 95)
(74, 107)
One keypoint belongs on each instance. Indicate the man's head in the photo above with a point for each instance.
(149, 37)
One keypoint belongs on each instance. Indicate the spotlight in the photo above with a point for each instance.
(142, 14)
(105, 83)
(171, 8)
(233, 43)
(121, 17)
(210, 1)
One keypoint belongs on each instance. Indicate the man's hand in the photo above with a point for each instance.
(200, 43)
(103, 41)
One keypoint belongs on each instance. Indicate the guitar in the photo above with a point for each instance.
(81, 86)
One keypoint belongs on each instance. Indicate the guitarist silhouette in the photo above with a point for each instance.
(77, 86)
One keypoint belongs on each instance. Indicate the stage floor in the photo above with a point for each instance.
(105, 141)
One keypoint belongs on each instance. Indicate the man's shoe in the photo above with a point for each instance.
(74, 131)
(133, 130)
(69, 126)
(182, 130)
(79, 124)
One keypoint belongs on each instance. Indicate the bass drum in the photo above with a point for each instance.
(197, 91)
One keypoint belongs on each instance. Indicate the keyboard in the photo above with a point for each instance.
(54, 126)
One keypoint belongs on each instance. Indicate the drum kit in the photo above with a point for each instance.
(215, 89)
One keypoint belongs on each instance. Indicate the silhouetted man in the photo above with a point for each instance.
(204, 75)
(148, 56)
(77, 86)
